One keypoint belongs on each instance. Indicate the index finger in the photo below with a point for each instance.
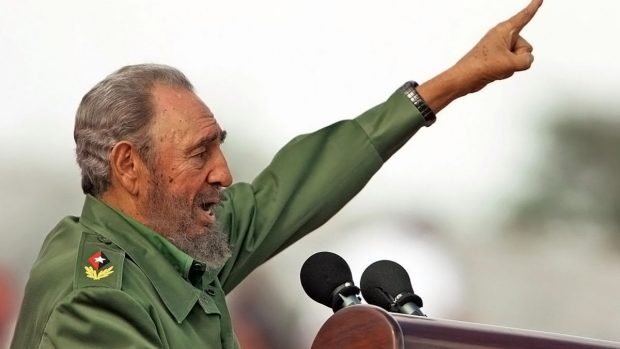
(524, 16)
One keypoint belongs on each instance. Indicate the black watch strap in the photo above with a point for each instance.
(408, 89)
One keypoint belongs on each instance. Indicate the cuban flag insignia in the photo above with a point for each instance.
(96, 270)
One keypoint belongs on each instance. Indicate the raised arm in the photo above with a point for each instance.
(316, 174)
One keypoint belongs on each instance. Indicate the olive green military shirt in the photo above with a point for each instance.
(104, 280)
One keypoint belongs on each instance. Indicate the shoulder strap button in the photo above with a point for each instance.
(104, 240)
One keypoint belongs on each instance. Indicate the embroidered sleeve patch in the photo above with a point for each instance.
(98, 261)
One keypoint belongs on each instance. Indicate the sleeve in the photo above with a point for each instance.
(99, 318)
(308, 181)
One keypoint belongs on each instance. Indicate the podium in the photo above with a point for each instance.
(370, 327)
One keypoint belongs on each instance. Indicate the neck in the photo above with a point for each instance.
(124, 202)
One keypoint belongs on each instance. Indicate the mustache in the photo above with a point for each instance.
(213, 195)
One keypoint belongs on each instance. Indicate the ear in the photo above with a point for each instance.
(126, 166)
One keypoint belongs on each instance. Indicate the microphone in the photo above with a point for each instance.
(386, 284)
(327, 279)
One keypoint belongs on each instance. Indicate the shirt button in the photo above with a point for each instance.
(198, 266)
(210, 292)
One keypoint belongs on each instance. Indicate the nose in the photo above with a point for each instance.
(220, 173)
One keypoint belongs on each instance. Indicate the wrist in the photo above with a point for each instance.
(444, 88)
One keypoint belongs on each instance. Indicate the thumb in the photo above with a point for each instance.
(523, 60)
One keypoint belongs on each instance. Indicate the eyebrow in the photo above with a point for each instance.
(210, 139)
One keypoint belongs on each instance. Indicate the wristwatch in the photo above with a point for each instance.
(408, 89)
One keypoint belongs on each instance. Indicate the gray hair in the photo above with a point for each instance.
(118, 108)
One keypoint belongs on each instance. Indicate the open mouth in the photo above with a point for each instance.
(208, 202)
(208, 207)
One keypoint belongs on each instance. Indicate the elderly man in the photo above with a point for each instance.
(147, 264)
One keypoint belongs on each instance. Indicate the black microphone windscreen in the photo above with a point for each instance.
(322, 273)
(382, 281)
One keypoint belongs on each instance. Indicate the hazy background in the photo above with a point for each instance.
(506, 211)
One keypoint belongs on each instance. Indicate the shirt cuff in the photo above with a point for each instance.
(390, 124)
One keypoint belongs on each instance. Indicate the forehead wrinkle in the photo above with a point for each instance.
(183, 119)
(207, 113)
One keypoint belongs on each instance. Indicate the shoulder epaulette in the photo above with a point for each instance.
(99, 263)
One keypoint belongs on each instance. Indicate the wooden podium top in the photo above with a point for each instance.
(367, 326)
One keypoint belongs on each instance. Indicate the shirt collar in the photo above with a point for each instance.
(168, 268)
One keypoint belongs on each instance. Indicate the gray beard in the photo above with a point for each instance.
(173, 217)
